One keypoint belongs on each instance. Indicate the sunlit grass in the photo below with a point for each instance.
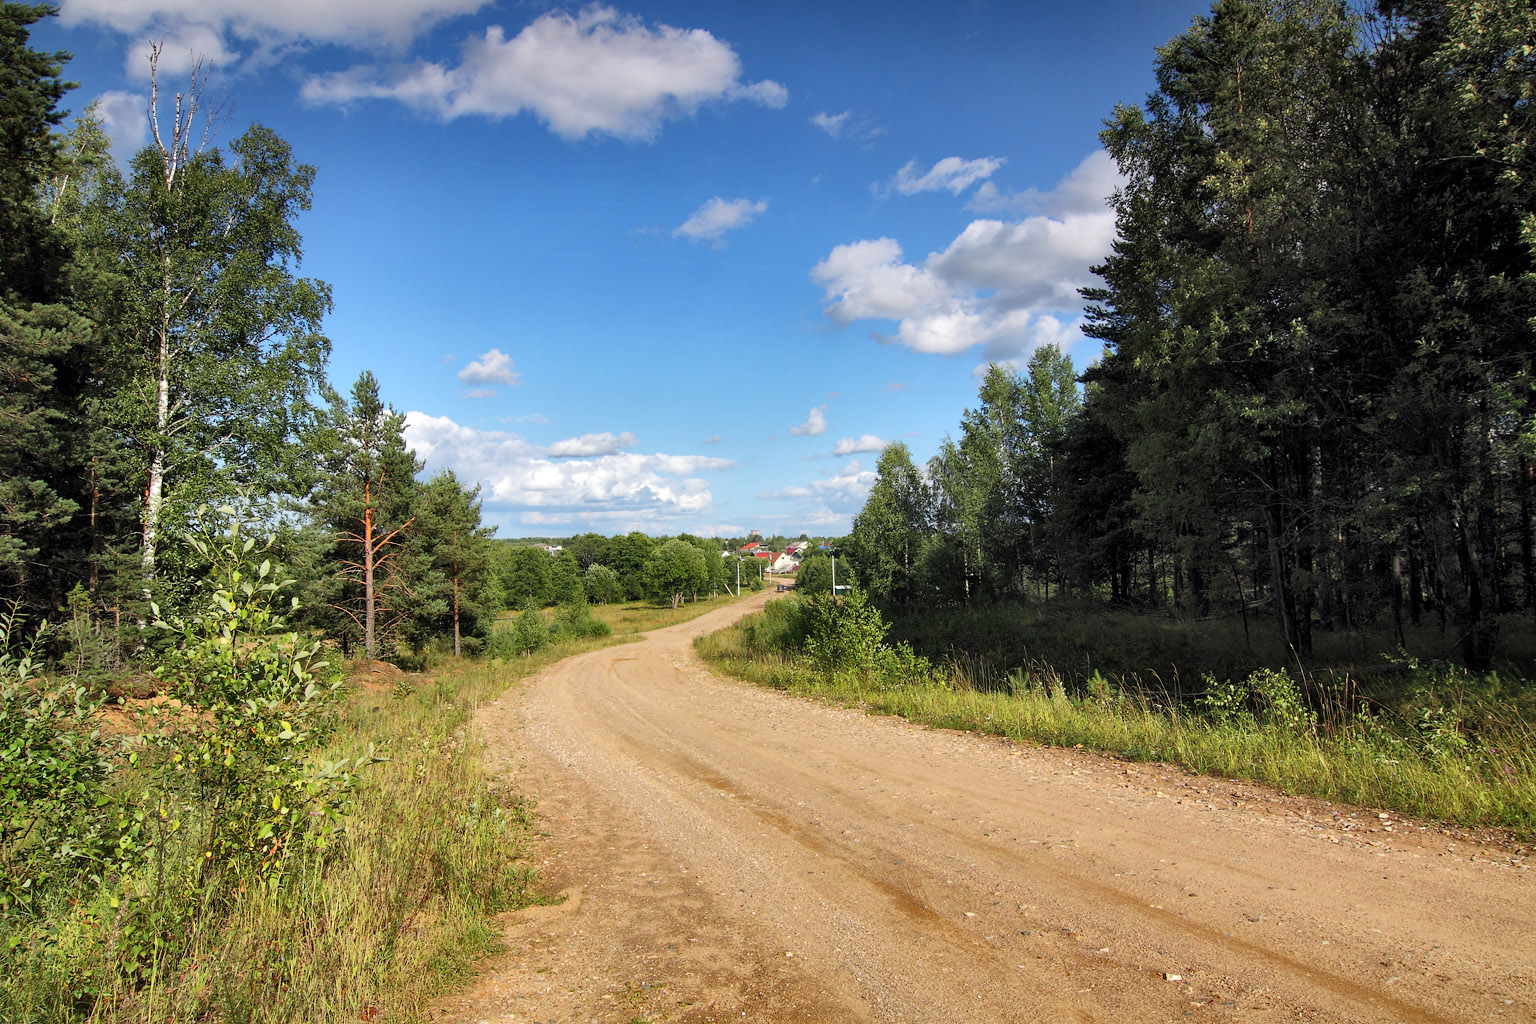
(397, 915)
(1491, 783)
(644, 616)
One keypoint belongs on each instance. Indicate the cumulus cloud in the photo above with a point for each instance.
(183, 49)
(1084, 191)
(219, 31)
(596, 71)
(716, 217)
(951, 174)
(588, 445)
(494, 367)
(125, 119)
(519, 476)
(857, 445)
(815, 423)
(1002, 286)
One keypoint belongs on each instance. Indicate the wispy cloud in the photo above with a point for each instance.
(712, 220)
(847, 125)
(951, 174)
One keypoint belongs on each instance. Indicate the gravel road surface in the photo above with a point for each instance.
(727, 853)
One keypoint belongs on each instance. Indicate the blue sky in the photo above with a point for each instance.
(669, 266)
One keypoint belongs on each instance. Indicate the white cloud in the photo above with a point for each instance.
(353, 22)
(1003, 286)
(588, 445)
(867, 280)
(847, 125)
(846, 489)
(832, 124)
(951, 174)
(1084, 191)
(183, 48)
(125, 118)
(856, 445)
(480, 393)
(712, 440)
(718, 216)
(593, 72)
(767, 93)
(494, 367)
(517, 475)
(532, 417)
(815, 423)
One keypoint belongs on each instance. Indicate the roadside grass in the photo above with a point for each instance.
(1169, 656)
(394, 915)
(643, 616)
(1471, 763)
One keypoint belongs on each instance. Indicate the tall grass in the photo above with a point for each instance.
(1431, 767)
(393, 916)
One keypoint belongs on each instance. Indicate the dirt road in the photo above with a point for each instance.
(728, 853)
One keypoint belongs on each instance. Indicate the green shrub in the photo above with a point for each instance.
(55, 815)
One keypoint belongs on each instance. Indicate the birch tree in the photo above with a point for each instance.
(220, 340)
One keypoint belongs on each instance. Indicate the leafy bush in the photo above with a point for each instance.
(575, 621)
(55, 816)
(235, 759)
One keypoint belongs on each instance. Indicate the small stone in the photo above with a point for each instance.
(1169, 976)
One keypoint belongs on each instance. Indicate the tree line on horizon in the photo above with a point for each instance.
(1319, 324)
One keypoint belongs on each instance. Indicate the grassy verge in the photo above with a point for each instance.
(644, 616)
(1430, 768)
(378, 925)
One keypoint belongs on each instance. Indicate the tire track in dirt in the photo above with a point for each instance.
(731, 853)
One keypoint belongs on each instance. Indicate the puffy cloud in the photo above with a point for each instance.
(218, 29)
(183, 49)
(718, 216)
(1085, 190)
(519, 476)
(1003, 286)
(587, 445)
(494, 367)
(593, 72)
(951, 174)
(857, 445)
(125, 118)
(867, 280)
(815, 423)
